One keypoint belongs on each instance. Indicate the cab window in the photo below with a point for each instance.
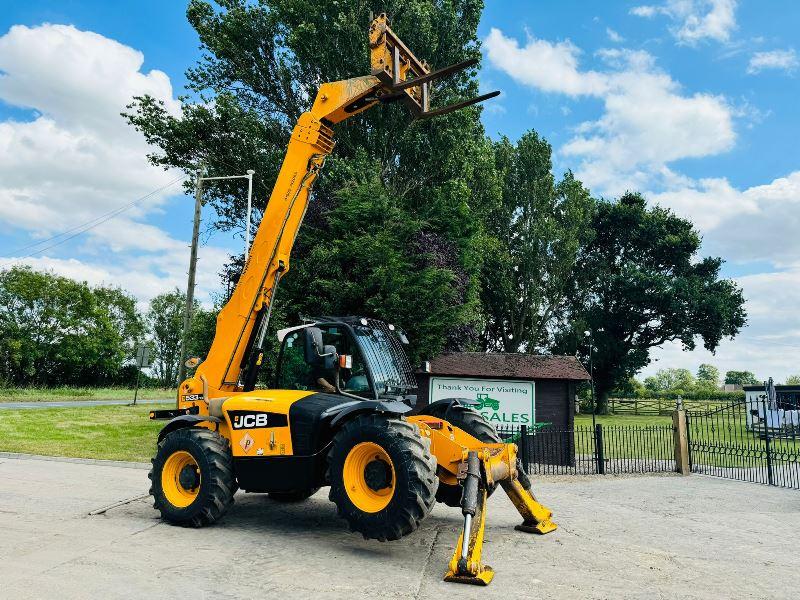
(296, 374)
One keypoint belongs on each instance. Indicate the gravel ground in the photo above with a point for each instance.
(619, 537)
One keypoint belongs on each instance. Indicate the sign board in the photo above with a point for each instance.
(143, 357)
(501, 402)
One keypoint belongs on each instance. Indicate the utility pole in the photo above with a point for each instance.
(198, 205)
(187, 313)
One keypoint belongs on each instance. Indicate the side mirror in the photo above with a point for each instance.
(314, 348)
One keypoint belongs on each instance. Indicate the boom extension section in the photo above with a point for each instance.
(236, 354)
(479, 467)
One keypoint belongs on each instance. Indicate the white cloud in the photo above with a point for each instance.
(695, 20)
(648, 121)
(648, 12)
(758, 224)
(782, 60)
(77, 159)
(614, 36)
(551, 67)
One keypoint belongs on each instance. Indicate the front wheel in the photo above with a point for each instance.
(383, 476)
(192, 477)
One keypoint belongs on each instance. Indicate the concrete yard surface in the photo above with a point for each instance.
(635, 537)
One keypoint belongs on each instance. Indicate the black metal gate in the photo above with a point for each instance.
(602, 449)
(755, 440)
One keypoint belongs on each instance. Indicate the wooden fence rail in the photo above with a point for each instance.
(656, 406)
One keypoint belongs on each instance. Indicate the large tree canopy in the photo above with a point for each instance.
(640, 284)
(533, 237)
(411, 193)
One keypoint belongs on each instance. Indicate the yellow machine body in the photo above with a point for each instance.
(274, 436)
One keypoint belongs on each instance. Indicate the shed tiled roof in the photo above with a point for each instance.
(510, 365)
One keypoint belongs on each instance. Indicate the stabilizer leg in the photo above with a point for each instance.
(466, 566)
(536, 517)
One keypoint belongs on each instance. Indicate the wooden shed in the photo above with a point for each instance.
(506, 385)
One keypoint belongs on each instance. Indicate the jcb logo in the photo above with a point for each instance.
(246, 419)
(250, 421)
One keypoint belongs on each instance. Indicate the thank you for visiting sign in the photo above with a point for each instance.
(500, 402)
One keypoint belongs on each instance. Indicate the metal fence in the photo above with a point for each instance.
(756, 440)
(585, 450)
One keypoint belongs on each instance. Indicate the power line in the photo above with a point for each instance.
(88, 225)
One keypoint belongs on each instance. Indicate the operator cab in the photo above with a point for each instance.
(352, 356)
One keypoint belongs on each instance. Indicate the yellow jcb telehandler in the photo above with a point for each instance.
(342, 410)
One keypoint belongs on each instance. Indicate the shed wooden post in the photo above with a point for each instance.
(680, 439)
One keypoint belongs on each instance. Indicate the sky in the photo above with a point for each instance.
(692, 102)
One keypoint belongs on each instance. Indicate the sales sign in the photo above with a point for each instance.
(501, 402)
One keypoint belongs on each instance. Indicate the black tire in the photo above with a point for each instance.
(289, 497)
(414, 470)
(474, 424)
(217, 484)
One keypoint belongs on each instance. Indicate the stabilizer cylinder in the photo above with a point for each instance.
(466, 566)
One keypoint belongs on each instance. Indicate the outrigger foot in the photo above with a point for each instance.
(483, 578)
(540, 528)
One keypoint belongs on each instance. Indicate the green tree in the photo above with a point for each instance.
(670, 380)
(201, 331)
(56, 331)
(707, 377)
(641, 284)
(741, 378)
(165, 327)
(262, 63)
(533, 237)
(793, 380)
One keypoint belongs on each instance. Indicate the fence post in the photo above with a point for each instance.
(680, 440)
(523, 447)
(599, 451)
(768, 450)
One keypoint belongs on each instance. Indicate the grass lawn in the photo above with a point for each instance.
(109, 432)
(34, 394)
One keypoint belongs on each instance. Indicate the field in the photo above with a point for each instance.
(108, 432)
(36, 394)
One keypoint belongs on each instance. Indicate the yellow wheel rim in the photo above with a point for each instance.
(369, 477)
(180, 491)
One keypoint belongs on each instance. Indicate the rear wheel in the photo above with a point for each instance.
(474, 424)
(192, 477)
(383, 476)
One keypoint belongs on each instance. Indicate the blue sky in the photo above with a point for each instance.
(692, 102)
